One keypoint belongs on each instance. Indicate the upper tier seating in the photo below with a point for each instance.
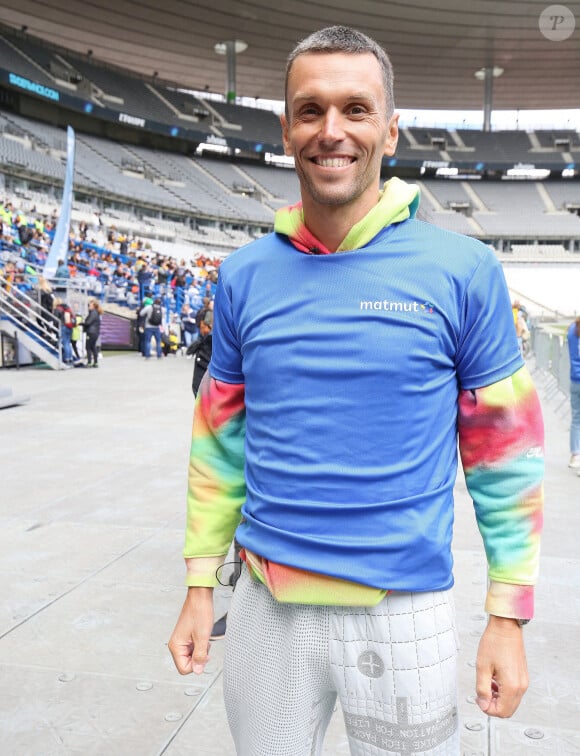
(14, 61)
(131, 95)
(260, 126)
(550, 137)
(504, 147)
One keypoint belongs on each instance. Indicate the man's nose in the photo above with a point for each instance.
(332, 126)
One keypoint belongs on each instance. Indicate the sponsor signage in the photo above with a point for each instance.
(33, 87)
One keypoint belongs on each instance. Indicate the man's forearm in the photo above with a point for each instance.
(501, 442)
(216, 484)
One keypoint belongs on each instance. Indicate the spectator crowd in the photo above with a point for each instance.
(124, 270)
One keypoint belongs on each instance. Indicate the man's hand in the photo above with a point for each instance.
(502, 670)
(189, 643)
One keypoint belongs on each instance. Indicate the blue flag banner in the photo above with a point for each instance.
(59, 246)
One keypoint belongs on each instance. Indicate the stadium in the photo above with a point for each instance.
(141, 144)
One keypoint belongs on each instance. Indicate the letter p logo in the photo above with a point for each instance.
(557, 23)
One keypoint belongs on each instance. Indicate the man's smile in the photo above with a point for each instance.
(332, 161)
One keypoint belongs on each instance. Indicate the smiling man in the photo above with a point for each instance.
(353, 348)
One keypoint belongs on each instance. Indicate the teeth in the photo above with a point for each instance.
(333, 162)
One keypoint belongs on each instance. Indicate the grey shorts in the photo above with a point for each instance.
(392, 667)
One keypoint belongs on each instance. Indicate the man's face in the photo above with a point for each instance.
(337, 128)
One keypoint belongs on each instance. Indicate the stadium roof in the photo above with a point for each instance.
(436, 47)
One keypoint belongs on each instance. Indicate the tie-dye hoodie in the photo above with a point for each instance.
(500, 440)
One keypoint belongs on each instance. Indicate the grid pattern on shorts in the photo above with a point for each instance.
(392, 665)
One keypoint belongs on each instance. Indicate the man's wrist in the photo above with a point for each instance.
(195, 592)
(507, 622)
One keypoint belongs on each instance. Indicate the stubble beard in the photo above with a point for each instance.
(331, 194)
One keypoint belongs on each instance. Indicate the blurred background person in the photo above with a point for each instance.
(574, 349)
(201, 350)
(92, 326)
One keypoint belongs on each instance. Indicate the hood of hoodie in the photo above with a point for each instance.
(397, 202)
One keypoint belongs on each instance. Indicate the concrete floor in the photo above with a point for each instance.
(91, 523)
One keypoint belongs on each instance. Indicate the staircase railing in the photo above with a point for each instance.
(19, 312)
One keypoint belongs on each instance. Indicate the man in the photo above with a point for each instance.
(62, 270)
(144, 277)
(141, 320)
(189, 327)
(67, 321)
(153, 320)
(202, 312)
(349, 347)
(201, 350)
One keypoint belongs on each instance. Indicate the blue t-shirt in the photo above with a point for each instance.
(574, 350)
(352, 364)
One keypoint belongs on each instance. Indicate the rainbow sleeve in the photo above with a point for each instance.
(501, 440)
(216, 484)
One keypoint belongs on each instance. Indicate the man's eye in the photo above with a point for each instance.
(357, 110)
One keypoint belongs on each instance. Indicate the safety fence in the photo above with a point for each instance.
(550, 350)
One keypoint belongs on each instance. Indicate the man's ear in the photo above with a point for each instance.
(285, 137)
(392, 135)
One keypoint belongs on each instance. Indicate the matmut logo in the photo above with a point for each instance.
(389, 306)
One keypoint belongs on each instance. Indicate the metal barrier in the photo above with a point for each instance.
(553, 360)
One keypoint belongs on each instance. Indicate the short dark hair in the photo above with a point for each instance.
(334, 39)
